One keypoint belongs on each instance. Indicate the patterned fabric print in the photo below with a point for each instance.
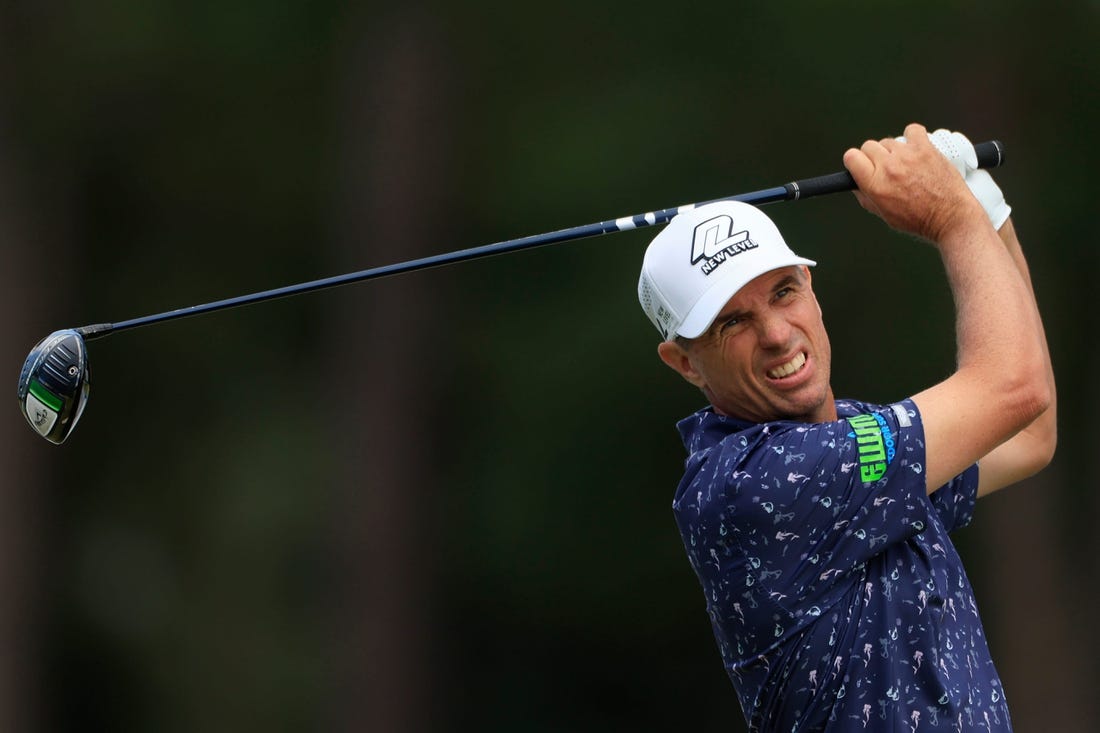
(836, 597)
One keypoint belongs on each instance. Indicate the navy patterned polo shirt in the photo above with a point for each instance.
(836, 597)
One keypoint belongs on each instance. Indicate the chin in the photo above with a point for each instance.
(811, 410)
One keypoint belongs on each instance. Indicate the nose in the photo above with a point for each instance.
(774, 330)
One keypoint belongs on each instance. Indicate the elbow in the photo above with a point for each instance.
(1026, 399)
(1035, 401)
(1038, 452)
(1050, 445)
(1030, 390)
(1045, 428)
(1038, 417)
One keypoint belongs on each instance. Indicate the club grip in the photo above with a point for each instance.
(991, 154)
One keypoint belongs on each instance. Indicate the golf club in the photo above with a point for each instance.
(54, 384)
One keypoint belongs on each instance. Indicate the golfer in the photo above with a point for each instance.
(819, 527)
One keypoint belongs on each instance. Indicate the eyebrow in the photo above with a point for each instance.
(787, 281)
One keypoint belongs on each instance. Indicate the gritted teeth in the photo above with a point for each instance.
(792, 366)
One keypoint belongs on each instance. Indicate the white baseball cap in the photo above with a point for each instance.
(702, 258)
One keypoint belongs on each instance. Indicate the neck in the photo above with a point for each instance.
(824, 412)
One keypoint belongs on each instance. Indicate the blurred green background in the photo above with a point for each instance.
(441, 502)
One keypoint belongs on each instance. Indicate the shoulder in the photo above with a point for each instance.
(725, 451)
(728, 455)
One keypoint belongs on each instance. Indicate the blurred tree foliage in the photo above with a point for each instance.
(191, 571)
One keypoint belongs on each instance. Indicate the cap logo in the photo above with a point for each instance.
(663, 314)
(715, 242)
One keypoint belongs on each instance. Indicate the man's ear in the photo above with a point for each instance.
(679, 360)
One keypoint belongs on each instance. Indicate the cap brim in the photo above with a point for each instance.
(708, 306)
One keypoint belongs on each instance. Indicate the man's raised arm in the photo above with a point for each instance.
(1031, 449)
(1001, 385)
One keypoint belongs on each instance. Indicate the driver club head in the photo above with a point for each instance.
(54, 386)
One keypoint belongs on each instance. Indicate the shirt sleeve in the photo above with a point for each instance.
(815, 502)
(954, 501)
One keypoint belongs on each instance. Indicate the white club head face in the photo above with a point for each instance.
(54, 385)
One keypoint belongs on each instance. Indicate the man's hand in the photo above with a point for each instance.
(960, 151)
(911, 186)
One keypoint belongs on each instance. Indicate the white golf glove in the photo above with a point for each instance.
(957, 149)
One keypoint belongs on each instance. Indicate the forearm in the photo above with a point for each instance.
(1008, 236)
(993, 298)
(998, 389)
(1030, 450)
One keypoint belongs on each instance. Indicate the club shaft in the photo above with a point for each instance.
(990, 154)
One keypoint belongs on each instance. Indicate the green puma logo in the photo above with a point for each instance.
(875, 453)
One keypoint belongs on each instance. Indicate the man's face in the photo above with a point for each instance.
(766, 356)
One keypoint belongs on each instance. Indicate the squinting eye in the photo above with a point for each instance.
(782, 293)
